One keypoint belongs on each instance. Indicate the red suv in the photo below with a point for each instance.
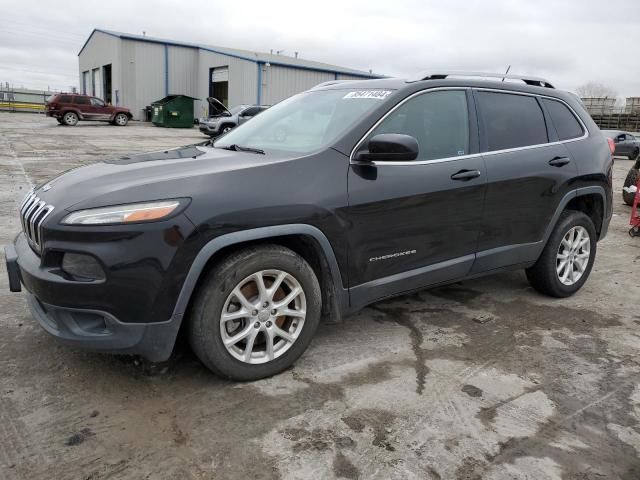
(70, 108)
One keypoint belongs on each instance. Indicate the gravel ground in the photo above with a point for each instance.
(482, 379)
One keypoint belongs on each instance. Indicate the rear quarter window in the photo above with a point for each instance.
(567, 125)
(511, 120)
(64, 99)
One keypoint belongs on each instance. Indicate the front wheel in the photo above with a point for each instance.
(255, 313)
(568, 257)
(121, 119)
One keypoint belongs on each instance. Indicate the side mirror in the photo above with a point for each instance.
(390, 147)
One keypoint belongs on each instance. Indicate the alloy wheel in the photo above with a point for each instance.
(263, 316)
(70, 118)
(573, 255)
(121, 119)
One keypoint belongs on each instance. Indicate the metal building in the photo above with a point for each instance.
(135, 70)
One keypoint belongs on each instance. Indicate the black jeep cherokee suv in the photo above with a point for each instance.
(378, 188)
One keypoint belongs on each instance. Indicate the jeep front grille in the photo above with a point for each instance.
(33, 211)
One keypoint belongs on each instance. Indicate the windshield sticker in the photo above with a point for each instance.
(375, 94)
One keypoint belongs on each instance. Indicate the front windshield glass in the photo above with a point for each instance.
(305, 122)
(236, 109)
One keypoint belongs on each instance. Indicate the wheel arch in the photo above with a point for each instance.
(591, 200)
(306, 240)
(72, 110)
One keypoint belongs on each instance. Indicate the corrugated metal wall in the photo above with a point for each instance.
(279, 83)
(243, 80)
(183, 71)
(143, 75)
(139, 75)
(102, 50)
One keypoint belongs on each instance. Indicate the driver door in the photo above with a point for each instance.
(416, 223)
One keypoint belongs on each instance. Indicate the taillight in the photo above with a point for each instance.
(612, 145)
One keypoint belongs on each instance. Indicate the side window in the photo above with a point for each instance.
(81, 100)
(250, 112)
(439, 121)
(563, 119)
(96, 102)
(65, 99)
(511, 120)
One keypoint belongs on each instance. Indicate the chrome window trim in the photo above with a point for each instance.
(472, 155)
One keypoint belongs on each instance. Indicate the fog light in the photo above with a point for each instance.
(82, 267)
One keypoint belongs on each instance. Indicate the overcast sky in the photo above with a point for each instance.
(570, 42)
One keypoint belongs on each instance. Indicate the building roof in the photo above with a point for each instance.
(257, 57)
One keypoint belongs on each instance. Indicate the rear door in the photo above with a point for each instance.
(414, 224)
(83, 104)
(529, 171)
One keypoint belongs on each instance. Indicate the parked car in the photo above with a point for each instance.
(223, 120)
(70, 108)
(384, 187)
(626, 144)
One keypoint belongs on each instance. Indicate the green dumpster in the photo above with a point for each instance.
(175, 111)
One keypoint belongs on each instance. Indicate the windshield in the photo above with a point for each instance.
(236, 109)
(305, 122)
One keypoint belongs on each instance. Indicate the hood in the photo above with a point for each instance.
(171, 173)
(217, 107)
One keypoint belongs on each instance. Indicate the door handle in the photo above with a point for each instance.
(465, 175)
(559, 161)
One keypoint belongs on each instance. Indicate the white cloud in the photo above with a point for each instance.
(569, 42)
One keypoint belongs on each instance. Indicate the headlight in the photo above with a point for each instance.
(131, 213)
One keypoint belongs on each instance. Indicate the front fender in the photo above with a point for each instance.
(218, 243)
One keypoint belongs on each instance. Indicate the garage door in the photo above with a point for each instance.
(220, 75)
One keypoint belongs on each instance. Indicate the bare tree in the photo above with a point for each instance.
(595, 89)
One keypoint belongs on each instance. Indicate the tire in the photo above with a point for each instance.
(632, 179)
(70, 119)
(225, 129)
(217, 294)
(544, 275)
(121, 119)
(634, 154)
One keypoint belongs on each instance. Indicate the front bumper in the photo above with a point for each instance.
(89, 328)
(211, 130)
(101, 332)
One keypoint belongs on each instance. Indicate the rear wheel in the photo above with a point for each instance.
(255, 313)
(567, 259)
(632, 179)
(70, 118)
(121, 119)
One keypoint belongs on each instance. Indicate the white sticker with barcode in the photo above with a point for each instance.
(375, 94)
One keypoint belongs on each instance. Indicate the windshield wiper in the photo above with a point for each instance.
(238, 148)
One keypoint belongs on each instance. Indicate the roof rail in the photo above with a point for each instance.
(528, 79)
